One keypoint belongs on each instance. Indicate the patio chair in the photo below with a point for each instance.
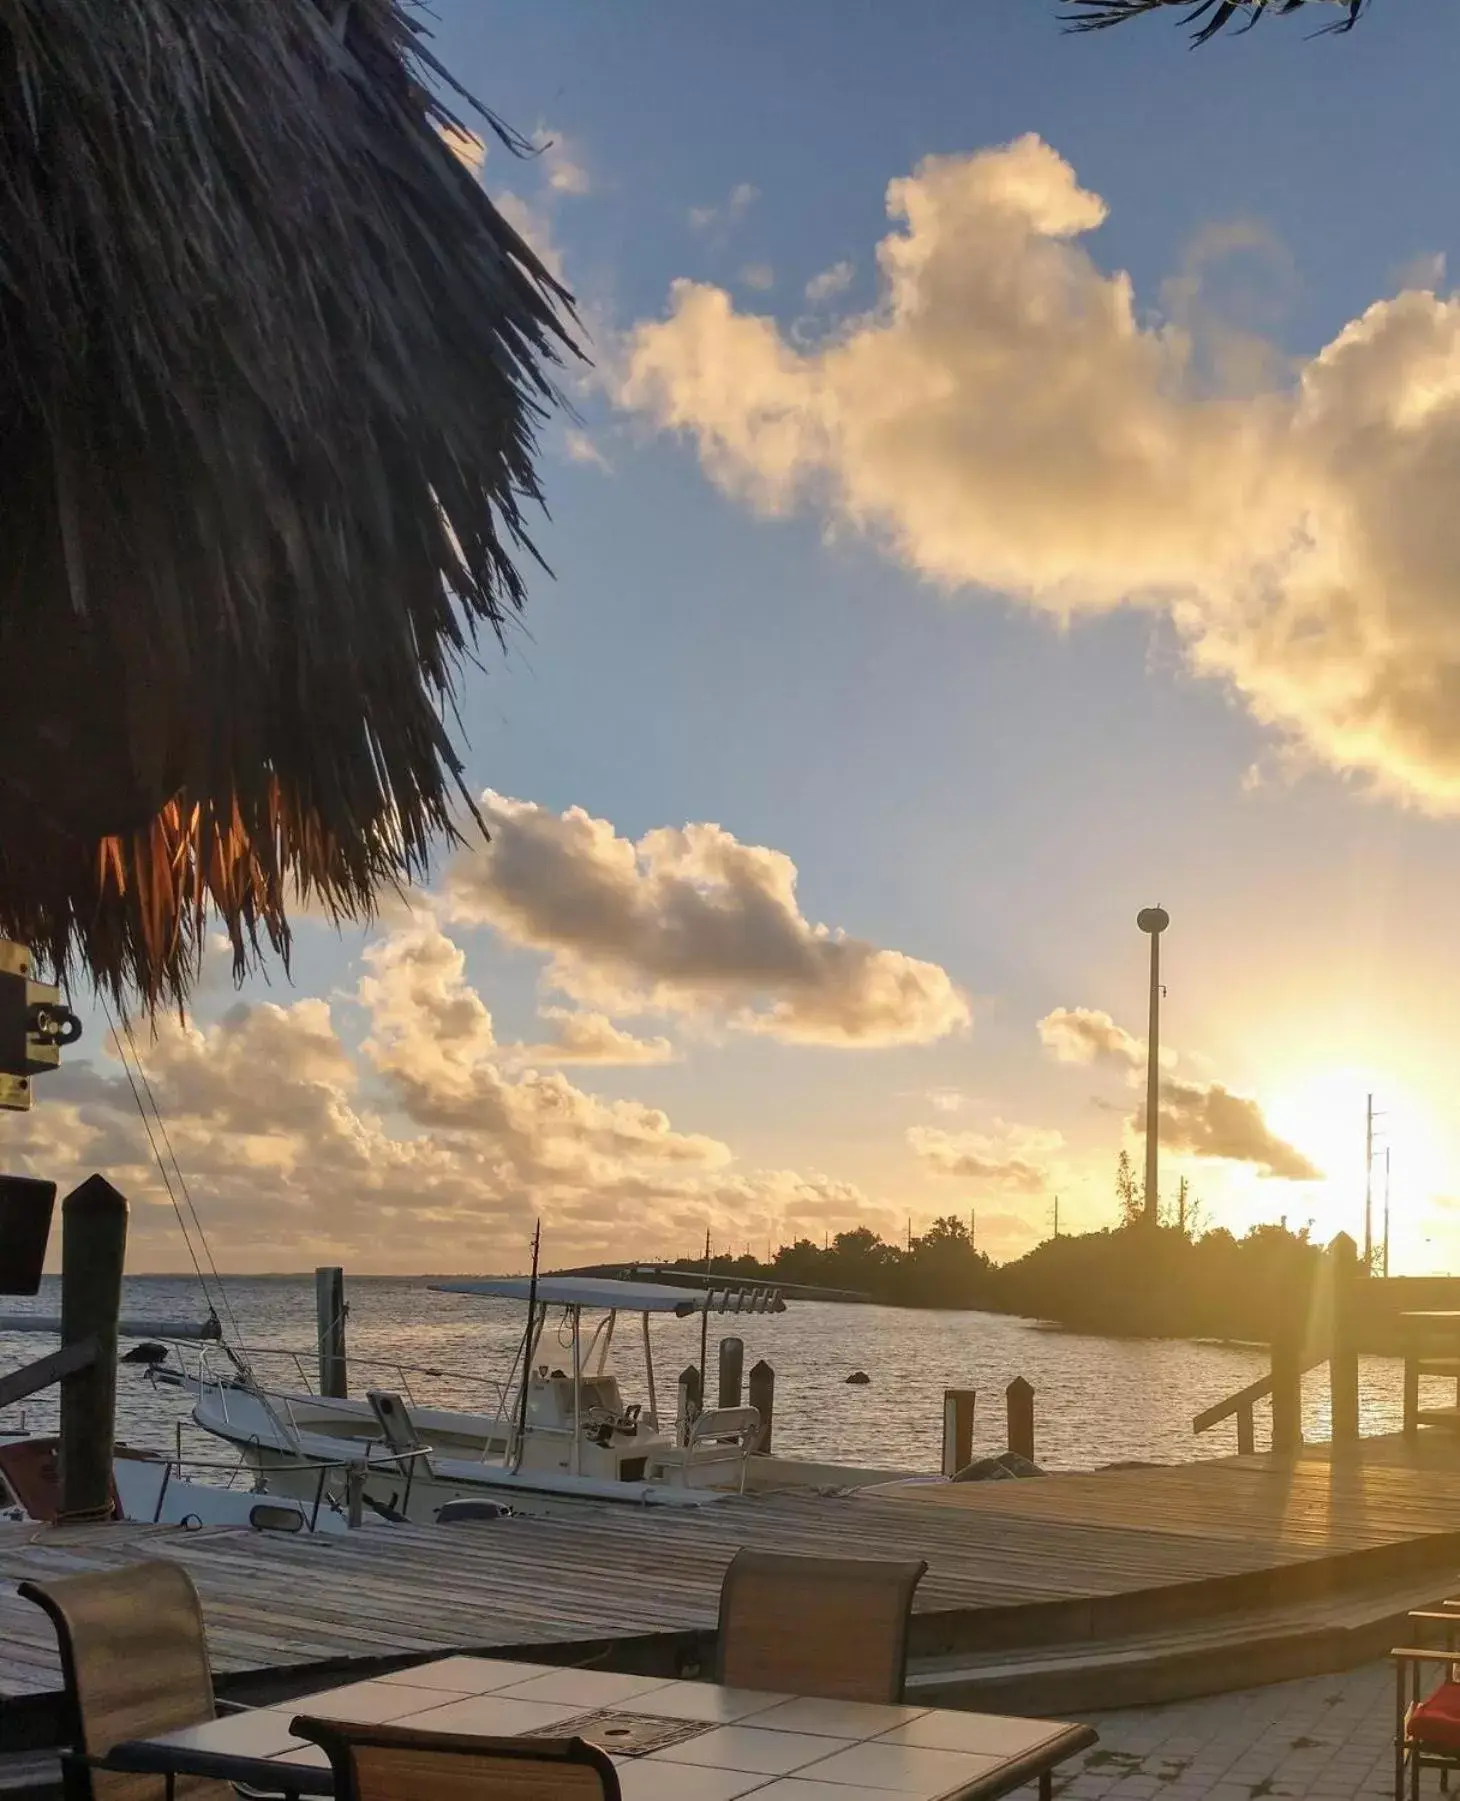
(397, 1763)
(833, 1627)
(135, 1662)
(1426, 1727)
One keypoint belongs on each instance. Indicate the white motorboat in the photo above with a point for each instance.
(558, 1433)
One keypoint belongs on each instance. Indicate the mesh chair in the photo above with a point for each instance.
(135, 1661)
(834, 1627)
(397, 1763)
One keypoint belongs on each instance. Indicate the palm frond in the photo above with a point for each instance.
(271, 366)
(1096, 15)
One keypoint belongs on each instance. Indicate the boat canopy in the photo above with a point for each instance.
(621, 1297)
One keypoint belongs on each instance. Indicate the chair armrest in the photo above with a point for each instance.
(232, 1706)
(1424, 1654)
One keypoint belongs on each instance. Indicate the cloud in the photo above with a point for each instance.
(419, 1153)
(1202, 1118)
(580, 448)
(947, 1100)
(587, 1037)
(760, 276)
(1006, 418)
(1017, 1160)
(830, 282)
(566, 172)
(1083, 1035)
(1207, 1120)
(721, 217)
(691, 921)
(465, 146)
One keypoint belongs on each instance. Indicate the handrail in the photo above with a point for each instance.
(1242, 1403)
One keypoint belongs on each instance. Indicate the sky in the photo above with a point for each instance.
(1015, 484)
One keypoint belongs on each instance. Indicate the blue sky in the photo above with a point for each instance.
(957, 774)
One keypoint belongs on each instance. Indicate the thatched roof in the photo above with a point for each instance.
(270, 364)
(1207, 16)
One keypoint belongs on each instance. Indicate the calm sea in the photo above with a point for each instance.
(1097, 1400)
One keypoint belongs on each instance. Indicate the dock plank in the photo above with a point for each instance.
(1014, 1564)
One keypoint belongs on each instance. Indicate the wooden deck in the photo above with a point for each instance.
(1135, 1568)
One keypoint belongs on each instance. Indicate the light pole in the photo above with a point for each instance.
(1153, 921)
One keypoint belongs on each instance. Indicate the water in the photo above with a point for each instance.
(1097, 1400)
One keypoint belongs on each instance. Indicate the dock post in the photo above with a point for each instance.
(329, 1305)
(1287, 1386)
(93, 1253)
(958, 1406)
(762, 1397)
(1019, 1399)
(732, 1366)
(689, 1401)
(1343, 1355)
(1411, 1393)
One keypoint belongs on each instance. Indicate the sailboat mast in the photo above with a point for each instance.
(527, 1346)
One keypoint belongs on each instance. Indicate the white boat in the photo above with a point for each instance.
(556, 1434)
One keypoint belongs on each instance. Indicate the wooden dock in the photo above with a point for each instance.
(1082, 1590)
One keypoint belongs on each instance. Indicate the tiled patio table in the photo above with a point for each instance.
(671, 1741)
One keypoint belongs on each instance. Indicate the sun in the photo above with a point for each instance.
(1323, 1113)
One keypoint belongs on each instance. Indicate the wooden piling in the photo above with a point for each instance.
(1287, 1384)
(329, 1305)
(958, 1405)
(761, 1395)
(732, 1367)
(1019, 1400)
(1411, 1395)
(1343, 1355)
(689, 1401)
(93, 1254)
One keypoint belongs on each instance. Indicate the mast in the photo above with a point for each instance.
(527, 1347)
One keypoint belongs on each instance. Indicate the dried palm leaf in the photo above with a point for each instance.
(270, 369)
(1095, 15)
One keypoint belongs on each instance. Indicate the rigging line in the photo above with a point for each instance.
(182, 1183)
(156, 1153)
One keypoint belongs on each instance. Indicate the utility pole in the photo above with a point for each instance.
(1386, 1210)
(1369, 1186)
(1056, 1216)
(1153, 921)
(972, 1230)
(1181, 1207)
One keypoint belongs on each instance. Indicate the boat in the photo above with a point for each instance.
(557, 1433)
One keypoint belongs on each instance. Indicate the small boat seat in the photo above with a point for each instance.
(398, 1432)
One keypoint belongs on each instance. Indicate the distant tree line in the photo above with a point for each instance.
(1177, 1280)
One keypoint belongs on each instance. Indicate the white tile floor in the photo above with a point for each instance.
(1326, 1737)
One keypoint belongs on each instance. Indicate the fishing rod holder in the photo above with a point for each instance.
(35, 1026)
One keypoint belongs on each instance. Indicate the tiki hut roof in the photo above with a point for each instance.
(270, 368)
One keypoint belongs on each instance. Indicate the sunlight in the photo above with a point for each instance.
(1322, 1112)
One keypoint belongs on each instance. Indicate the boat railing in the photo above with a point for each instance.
(356, 1469)
(299, 1362)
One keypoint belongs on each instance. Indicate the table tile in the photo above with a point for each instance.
(706, 1701)
(302, 1752)
(490, 1715)
(258, 1733)
(748, 1748)
(375, 1703)
(838, 1719)
(469, 1675)
(641, 1779)
(908, 1768)
(802, 1788)
(585, 1688)
(996, 1735)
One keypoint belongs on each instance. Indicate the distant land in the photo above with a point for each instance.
(1130, 1280)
